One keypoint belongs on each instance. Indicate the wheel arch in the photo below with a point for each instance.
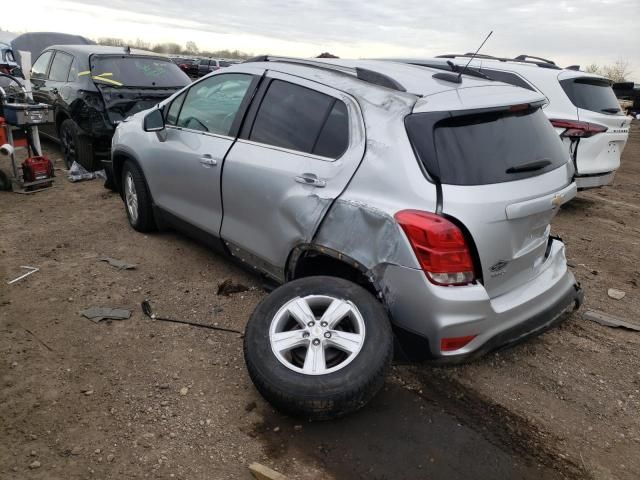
(119, 157)
(311, 260)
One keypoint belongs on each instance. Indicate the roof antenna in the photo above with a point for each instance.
(473, 56)
(452, 77)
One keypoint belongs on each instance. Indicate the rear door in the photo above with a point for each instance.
(184, 162)
(597, 104)
(504, 175)
(298, 150)
(54, 89)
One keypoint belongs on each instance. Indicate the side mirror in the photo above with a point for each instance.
(154, 121)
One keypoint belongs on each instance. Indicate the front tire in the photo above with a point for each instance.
(136, 198)
(76, 147)
(318, 347)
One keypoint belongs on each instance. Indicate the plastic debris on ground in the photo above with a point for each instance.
(96, 314)
(609, 320)
(119, 264)
(78, 173)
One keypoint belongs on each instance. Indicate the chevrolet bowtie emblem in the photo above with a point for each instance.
(557, 200)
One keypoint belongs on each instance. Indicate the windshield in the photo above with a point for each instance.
(136, 71)
(486, 147)
(593, 94)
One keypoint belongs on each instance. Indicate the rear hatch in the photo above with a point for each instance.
(503, 174)
(597, 106)
(132, 83)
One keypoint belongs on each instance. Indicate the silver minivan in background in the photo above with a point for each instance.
(379, 195)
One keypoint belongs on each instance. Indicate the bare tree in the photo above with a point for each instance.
(192, 48)
(617, 72)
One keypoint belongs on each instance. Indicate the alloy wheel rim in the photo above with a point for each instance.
(131, 197)
(317, 334)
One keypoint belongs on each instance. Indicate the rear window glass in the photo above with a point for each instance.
(486, 148)
(135, 71)
(591, 94)
(302, 119)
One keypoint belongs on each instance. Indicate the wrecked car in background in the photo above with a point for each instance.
(364, 199)
(92, 88)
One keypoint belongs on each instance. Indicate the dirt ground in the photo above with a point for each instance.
(147, 399)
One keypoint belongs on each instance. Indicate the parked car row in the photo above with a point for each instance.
(416, 194)
(199, 67)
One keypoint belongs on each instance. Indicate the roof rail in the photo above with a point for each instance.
(573, 67)
(467, 55)
(364, 74)
(540, 62)
(524, 58)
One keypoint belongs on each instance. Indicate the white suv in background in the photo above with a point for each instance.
(582, 107)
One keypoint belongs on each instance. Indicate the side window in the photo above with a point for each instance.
(302, 119)
(212, 105)
(334, 136)
(60, 67)
(507, 77)
(73, 72)
(39, 69)
(174, 109)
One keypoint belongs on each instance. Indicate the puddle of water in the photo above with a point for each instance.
(398, 436)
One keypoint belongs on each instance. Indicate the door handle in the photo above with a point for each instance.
(311, 179)
(208, 161)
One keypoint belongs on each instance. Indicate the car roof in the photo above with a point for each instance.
(417, 80)
(101, 49)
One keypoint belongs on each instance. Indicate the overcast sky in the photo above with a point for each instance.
(570, 32)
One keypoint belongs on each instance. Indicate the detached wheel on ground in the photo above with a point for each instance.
(76, 147)
(318, 347)
(136, 198)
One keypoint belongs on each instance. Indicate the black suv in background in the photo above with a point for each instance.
(207, 65)
(92, 88)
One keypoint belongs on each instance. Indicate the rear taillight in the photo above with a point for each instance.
(440, 247)
(576, 129)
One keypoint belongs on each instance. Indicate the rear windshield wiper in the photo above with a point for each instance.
(529, 167)
(610, 110)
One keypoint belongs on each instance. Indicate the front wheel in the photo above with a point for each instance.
(136, 198)
(318, 347)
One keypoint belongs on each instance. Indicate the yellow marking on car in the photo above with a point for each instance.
(107, 80)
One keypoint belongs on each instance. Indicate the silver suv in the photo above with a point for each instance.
(371, 191)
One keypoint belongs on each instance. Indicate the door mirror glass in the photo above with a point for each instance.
(154, 122)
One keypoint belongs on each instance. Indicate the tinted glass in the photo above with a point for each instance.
(291, 116)
(60, 67)
(507, 77)
(212, 105)
(591, 94)
(334, 137)
(174, 109)
(224, 64)
(134, 71)
(486, 148)
(73, 71)
(39, 69)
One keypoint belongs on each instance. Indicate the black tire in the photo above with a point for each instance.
(143, 221)
(330, 395)
(76, 147)
(5, 183)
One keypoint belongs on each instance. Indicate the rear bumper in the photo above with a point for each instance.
(595, 180)
(434, 312)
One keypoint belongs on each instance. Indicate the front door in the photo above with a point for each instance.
(185, 160)
(295, 155)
